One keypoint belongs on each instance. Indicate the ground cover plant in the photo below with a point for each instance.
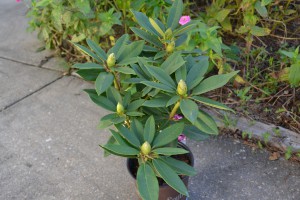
(258, 37)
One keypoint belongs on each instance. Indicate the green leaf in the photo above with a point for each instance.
(146, 36)
(262, 10)
(196, 73)
(213, 83)
(169, 151)
(97, 49)
(103, 81)
(132, 50)
(170, 176)
(157, 102)
(194, 133)
(149, 130)
(173, 100)
(128, 61)
(258, 31)
(87, 65)
(161, 76)
(118, 137)
(144, 22)
(101, 101)
(189, 109)
(135, 114)
(173, 62)
(147, 183)
(265, 2)
(114, 95)
(179, 166)
(206, 123)
(124, 70)
(135, 105)
(88, 52)
(168, 135)
(89, 74)
(294, 74)
(128, 135)
(159, 86)
(211, 103)
(137, 128)
(121, 150)
(221, 15)
(156, 27)
(175, 14)
(117, 49)
(185, 28)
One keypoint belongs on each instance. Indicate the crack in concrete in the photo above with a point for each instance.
(28, 95)
(17, 61)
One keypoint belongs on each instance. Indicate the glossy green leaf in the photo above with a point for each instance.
(111, 140)
(128, 61)
(221, 15)
(101, 101)
(97, 49)
(128, 135)
(124, 70)
(143, 21)
(194, 133)
(89, 74)
(120, 44)
(189, 109)
(88, 52)
(173, 100)
(262, 10)
(103, 81)
(158, 102)
(137, 128)
(213, 83)
(118, 137)
(185, 28)
(173, 62)
(114, 95)
(87, 65)
(159, 86)
(135, 105)
(135, 114)
(161, 76)
(168, 135)
(149, 131)
(175, 14)
(211, 103)
(179, 166)
(170, 176)
(131, 50)
(121, 150)
(206, 123)
(169, 151)
(196, 73)
(146, 36)
(147, 183)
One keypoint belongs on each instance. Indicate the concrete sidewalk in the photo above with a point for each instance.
(49, 140)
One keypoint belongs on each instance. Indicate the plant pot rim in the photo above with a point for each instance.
(180, 144)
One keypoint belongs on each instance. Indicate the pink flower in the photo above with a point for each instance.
(18, 1)
(177, 117)
(182, 138)
(184, 20)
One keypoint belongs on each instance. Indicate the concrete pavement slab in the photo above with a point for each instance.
(49, 150)
(15, 42)
(57, 64)
(18, 80)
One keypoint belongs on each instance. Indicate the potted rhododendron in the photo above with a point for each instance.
(153, 87)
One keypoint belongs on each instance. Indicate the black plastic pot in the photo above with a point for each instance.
(165, 191)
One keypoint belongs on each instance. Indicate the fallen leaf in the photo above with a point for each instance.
(274, 156)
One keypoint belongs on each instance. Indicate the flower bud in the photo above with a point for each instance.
(111, 60)
(170, 47)
(120, 109)
(181, 88)
(146, 148)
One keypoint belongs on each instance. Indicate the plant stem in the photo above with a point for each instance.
(174, 110)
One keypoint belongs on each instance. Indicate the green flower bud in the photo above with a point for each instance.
(181, 88)
(146, 148)
(170, 47)
(120, 109)
(168, 34)
(111, 60)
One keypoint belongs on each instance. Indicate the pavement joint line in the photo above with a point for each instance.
(17, 61)
(28, 95)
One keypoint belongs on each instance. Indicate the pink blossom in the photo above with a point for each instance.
(177, 117)
(18, 1)
(182, 138)
(184, 20)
